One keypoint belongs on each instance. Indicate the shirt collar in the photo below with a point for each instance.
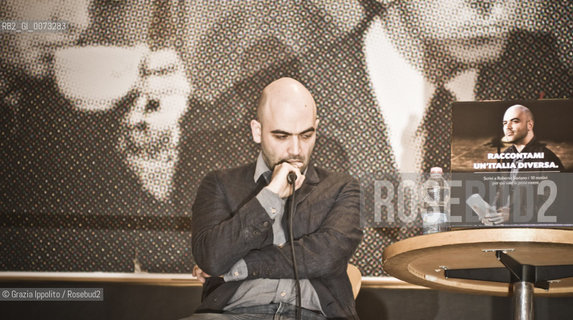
(261, 167)
(528, 146)
(531, 143)
(390, 50)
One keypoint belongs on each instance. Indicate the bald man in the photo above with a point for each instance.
(527, 154)
(240, 230)
(518, 123)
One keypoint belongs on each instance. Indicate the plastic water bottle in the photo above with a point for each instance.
(435, 200)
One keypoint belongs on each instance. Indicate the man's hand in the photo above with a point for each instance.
(200, 274)
(498, 216)
(279, 183)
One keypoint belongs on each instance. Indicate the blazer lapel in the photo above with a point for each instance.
(309, 184)
(243, 188)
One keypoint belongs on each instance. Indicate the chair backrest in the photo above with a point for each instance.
(355, 278)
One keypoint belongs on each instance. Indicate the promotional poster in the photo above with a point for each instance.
(513, 159)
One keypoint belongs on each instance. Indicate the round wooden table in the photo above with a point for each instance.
(508, 261)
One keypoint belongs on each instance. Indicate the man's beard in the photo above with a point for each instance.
(515, 138)
(289, 160)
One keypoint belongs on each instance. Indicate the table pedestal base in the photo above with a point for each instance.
(523, 300)
(524, 278)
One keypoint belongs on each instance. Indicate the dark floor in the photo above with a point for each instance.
(142, 302)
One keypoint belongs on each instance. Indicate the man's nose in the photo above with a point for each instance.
(135, 118)
(294, 145)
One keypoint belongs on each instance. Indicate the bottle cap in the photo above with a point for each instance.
(436, 170)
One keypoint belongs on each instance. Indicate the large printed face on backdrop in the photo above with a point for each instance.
(469, 31)
(33, 52)
(232, 49)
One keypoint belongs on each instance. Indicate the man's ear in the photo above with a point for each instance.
(316, 124)
(256, 131)
(530, 125)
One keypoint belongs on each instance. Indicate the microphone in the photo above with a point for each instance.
(291, 178)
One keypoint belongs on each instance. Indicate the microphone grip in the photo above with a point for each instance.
(291, 177)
